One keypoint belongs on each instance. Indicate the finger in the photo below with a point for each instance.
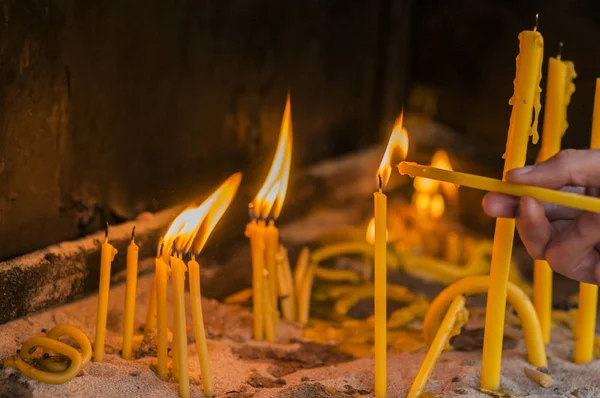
(568, 167)
(573, 252)
(534, 228)
(500, 205)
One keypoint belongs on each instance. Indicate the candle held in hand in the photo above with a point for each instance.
(567, 199)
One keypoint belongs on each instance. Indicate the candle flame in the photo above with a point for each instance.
(436, 206)
(191, 228)
(269, 200)
(370, 236)
(396, 151)
(442, 161)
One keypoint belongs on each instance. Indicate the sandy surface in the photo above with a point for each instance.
(289, 368)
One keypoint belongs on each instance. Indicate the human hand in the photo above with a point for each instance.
(568, 239)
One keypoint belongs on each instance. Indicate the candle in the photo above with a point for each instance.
(106, 258)
(446, 330)
(567, 199)
(50, 345)
(255, 231)
(160, 275)
(380, 294)
(478, 284)
(151, 313)
(178, 269)
(271, 247)
(287, 295)
(525, 102)
(588, 293)
(264, 238)
(559, 90)
(397, 147)
(199, 332)
(59, 331)
(130, 289)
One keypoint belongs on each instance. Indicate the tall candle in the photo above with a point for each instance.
(255, 230)
(106, 258)
(559, 90)
(588, 293)
(160, 275)
(180, 330)
(199, 332)
(380, 280)
(524, 102)
(130, 290)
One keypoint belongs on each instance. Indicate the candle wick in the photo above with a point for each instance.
(379, 181)
(133, 233)
(560, 49)
(192, 256)
(537, 19)
(106, 230)
(160, 251)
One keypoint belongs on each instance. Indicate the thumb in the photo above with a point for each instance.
(569, 167)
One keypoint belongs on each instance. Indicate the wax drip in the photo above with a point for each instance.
(569, 90)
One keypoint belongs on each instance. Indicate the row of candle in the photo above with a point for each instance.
(187, 234)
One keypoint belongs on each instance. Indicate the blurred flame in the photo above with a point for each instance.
(191, 228)
(396, 151)
(269, 200)
(425, 185)
(371, 232)
(442, 161)
(436, 206)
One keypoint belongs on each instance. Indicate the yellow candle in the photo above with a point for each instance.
(255, 230)
(559, 90)
(160, 274)
(59, 331)
(178, 269)
(437, 346)
(567, 199)
(106, 259)
(270, 330)
(286, 291)
(380, 281)
(130, 289)
(49, 345)
(199, 333)
(151, 314)
(524, 102)
(588, 294)
(271, 247)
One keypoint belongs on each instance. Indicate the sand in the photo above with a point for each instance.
(286, 370)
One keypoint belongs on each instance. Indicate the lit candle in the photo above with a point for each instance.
(566, 199)
(588, 293)
(130, 289)
(264, 239)
(178, 269)
(160, 275)
(559, 90)
(106, 258)
(255, 231)
(397, 148)
(525, 102)
(445, 332)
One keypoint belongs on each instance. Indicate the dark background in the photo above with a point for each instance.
(112, 108)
